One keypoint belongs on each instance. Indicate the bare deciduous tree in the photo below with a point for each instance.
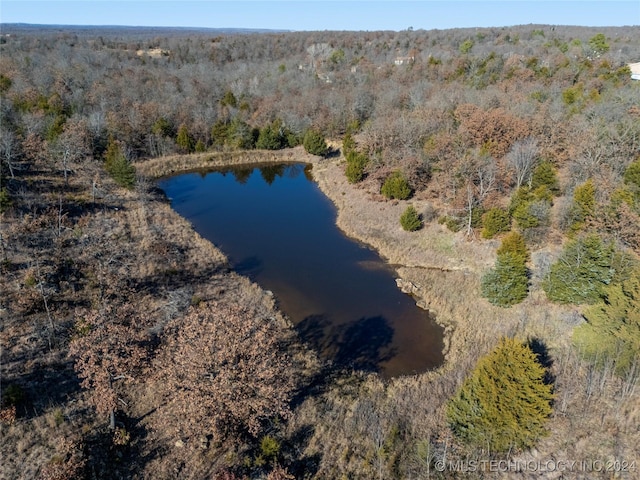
(522, 158)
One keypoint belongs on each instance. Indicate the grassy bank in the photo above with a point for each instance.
(442, 270)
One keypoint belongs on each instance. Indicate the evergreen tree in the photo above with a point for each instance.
(514, 244)
(632, 178)
(545, 175)
(118, 166)
(410, 219)
(314, 143)
(184, 139)
(272, 137)
(504, 404)
(507, 283)
(583, 269)
(583, 207)
(395, 186)
(612, 331)
(356, 165)
(494, 221)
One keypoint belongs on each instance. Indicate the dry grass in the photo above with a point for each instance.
(345, 425)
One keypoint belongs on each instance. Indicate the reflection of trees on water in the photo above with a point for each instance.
(362, 345)
(268, 172)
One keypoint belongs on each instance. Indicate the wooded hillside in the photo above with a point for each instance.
(130, 350)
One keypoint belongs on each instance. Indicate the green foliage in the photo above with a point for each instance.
(514, 244)
(573, 95)
(229, 99)
(466, 46)
(219, 133)
(5, 200)
(395, 186)
(583, 207)
(162, 127)
(269, 451)
(337, 56)
(410, 219)
(348, 144)
(239, 135)
(584, 268)
(13, 395)
(530, 208)
(632, 178)
(507, 283)
(598, 44)
(356, 164)
(200, 146)
(118, 166)
(272, 137)
(452, 223)
(184, 140)
(545, 175)
(612, 331)
(56, 127)
(5, 83)
(494, 221)
(314, 143)
(504, 404)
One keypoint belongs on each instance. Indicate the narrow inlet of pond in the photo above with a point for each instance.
(278, 228)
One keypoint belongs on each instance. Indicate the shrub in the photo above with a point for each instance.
(395, 186)
(494, 221)
(504, 404)
(410, 220)
(356, 164)
(314, 143)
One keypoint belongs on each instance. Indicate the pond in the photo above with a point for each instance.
(277, 227)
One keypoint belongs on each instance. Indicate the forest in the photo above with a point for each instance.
(497, 168)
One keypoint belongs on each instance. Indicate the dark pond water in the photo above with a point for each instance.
(278, 228)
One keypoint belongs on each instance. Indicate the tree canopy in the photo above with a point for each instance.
(505, 402)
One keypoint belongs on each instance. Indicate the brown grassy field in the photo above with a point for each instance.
(344, 424)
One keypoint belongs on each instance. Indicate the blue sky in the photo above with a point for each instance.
(322, 15)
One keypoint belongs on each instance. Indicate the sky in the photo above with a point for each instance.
(322, 15)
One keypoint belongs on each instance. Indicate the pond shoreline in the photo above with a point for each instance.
(440, 269)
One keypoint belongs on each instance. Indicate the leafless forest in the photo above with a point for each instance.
(131, 350)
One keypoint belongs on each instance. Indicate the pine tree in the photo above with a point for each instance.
(495, 221)
(583, 207)
(184, 139)
(583, 269)
(118, 166)
(314, 143)
(395, 186)
(612, 331)
(507, 283)
(410, 219)
(514, 243)
(356, 165)
(504, 404)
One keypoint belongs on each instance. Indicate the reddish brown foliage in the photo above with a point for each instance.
(224, 368)
(110, 347)
(494, 129)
